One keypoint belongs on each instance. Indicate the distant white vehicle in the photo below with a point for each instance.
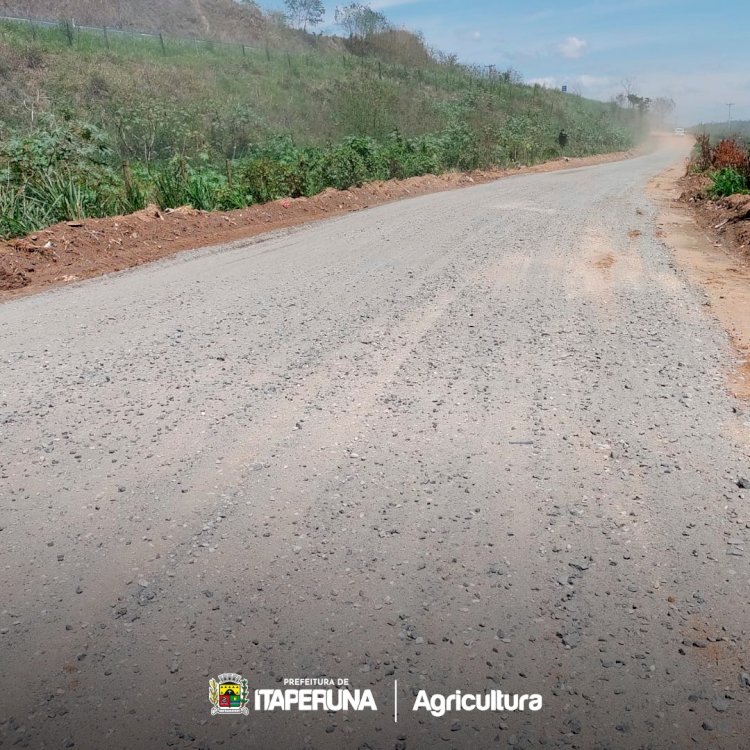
(679, 131)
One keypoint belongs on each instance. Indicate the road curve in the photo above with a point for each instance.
(478, 439)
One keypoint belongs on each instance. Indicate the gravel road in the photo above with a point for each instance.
(479, 439)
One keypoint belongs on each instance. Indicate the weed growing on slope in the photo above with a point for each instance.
(727, 181)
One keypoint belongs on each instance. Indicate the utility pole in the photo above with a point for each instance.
(729, 108)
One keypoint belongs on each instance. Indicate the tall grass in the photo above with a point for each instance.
(20, 213)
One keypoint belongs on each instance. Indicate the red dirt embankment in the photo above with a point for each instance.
(73, 251)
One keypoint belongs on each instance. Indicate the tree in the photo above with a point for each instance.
(642, 103)
(360, 21)
(628, 87)
(634, 100)
(304, 13)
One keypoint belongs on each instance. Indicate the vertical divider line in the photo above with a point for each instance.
(395, 701)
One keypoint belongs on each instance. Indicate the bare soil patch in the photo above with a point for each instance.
(726, 218)
(73, 251)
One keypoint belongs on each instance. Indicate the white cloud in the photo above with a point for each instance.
(589, 80)
(549, 82)
(572, 48)
(385, 4)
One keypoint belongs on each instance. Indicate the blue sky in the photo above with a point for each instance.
(696, 51)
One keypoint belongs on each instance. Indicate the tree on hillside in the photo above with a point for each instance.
(304, 13)
(634, 100)
(360, 21)
(641, 103)
(628, 88)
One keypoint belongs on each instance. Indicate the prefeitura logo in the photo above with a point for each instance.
(229, 694)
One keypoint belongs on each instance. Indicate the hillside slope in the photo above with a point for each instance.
(95, 125)
(222, 20)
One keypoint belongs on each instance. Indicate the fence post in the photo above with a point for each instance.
(106, 37)
(161, 41)
(127, 177)
(68, 30)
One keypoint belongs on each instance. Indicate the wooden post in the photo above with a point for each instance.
(68, 29)
(161, 41)
(106, 37)
(127, 178)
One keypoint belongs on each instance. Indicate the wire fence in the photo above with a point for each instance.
(84, 37)
(453, 76)
(70, 31)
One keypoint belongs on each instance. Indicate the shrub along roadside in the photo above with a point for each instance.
(65, 172)
(727, 181)
(727, 163)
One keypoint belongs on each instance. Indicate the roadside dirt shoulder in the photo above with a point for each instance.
(716, 261)
(74, 251)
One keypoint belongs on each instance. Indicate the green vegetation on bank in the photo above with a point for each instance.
(727, 181)
(95, 125)
(726, 162)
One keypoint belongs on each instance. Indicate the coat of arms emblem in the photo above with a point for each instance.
(229, 694)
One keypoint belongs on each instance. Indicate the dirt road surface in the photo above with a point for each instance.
(474, 440)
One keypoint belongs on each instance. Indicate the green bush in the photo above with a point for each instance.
(345, 167)
(460, 147)
(79, 147)
(727, 181)
(264, 179)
